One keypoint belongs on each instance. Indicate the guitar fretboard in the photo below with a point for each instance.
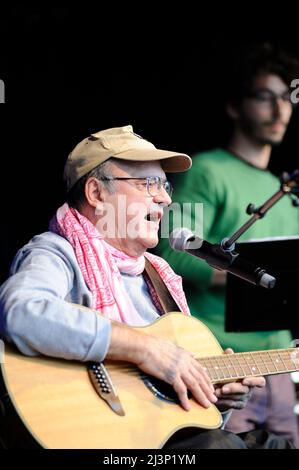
(240, 365)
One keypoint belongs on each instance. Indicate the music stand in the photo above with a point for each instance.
(253, 308)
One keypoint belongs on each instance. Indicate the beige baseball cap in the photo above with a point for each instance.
(123, 143)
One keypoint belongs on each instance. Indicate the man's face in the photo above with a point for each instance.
(265, 114)
(132, 215)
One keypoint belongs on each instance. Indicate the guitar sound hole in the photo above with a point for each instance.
(161, 389)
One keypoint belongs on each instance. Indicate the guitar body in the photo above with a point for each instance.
(59, 406)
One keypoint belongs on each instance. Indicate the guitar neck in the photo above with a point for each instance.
(237, 366)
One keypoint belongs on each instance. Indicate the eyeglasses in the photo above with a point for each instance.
(153, 184)
(268, 97)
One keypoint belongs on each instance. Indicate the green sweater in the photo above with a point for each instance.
(226, 185)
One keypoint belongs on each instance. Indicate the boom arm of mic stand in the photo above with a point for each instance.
(289, 186)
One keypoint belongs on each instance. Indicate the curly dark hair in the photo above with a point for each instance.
(258, 59)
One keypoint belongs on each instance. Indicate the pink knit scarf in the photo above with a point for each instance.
(101, 266)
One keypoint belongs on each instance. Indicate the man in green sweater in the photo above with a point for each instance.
(226, 181)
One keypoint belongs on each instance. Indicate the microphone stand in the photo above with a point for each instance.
(225, 250)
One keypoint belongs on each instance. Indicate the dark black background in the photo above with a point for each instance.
(70, 71)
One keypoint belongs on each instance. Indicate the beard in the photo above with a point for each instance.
(260, 132)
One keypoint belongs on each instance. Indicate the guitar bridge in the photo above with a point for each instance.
(104, 387)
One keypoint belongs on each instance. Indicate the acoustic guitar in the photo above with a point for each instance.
(67, 404)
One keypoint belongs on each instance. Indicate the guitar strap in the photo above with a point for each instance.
(168, 304)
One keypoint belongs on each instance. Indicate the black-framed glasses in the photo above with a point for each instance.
(153, 184)
(268, 97)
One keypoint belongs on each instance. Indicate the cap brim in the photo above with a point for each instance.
(172, 162)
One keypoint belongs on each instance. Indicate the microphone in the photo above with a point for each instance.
(182, 239)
